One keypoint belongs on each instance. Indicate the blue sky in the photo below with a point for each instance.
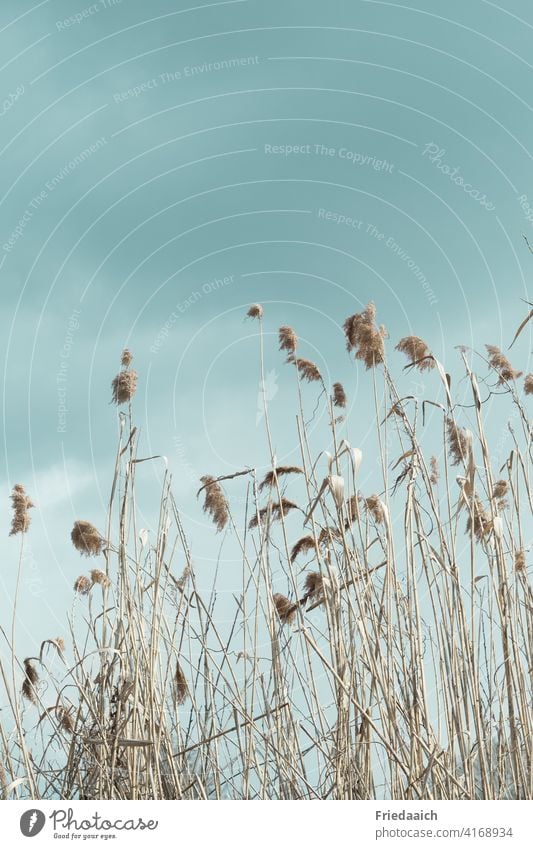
(177, 162)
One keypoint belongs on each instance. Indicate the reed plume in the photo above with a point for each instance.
(86, 539)
(339, 395)
(520, 561)
(99, 577)
(255, 311)
(528, 384)
(288, 339)
(285, 608)
(182, 688)
(270, 477)
(276, 511)
(501, 365)
(215, 502)
(126, 357)
(417, 352)
(124, 386)
(21, 505)
(31, 678)
(82, 585)
(314, 586)
(374, 506)
(301, 546)
(500, 489)
(363, 336)
(478, 520)
(307, 370)
(434, 466)
(458, 443)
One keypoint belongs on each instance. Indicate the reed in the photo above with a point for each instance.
(379, 644)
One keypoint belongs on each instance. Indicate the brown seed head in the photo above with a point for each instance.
(65, 720)
(363, 336)
(520, 561)
(501, 365)
(434, 476)
(270, 478)
(182, 688)
(215, 502)
(458, 443)
(479, 520)
(352, 509)
(82, 585)
(21, 505)
(31, 678)
(375, 508)
(285, 609)
(339, 395)
(417, 352)
(528, 384)
(124, 386)
(288, 339)
(307, 369)
(302, 545)
(314, 585)
(126, 357)
(255, 311)
(99, 577)
(276, 512)
(86, 539)
(500, 489)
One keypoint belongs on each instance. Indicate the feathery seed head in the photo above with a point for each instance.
(501, 365)
(339, 395)
(82, 585)
(285, 609)
(304, 544)
(459, 443)
(86, 539)
(99, 577)
(31, 678)
(182, 688)
(21, 505)
(500, 489)
(271, 476)
(417, 352)
(363, 336)
(288, 339)
(126, 357)
(215, 502)
(255, 311)
(124, 386)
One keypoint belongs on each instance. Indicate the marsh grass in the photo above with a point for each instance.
(379, 645)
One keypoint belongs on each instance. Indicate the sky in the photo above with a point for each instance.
(166, 165)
